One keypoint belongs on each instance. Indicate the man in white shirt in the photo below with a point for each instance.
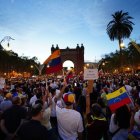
(70, 125)
(34, 98)
(128, 88)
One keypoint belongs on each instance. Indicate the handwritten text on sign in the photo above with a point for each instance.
(90, 74)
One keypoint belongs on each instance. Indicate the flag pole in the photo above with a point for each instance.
(63, 73)
(130, 98)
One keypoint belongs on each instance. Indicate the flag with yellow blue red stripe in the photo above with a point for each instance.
(53, 62)
(118, 98)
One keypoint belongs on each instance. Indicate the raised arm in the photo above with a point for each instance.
(62, 90)
(88, 91)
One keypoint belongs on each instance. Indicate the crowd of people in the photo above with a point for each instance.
(72, 109)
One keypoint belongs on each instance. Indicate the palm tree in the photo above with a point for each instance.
(120, 27)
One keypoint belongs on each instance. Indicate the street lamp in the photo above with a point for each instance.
(31, 69)
(6, 38)
(32, 66)
(87, 65)
(122, 45)
(103, 63)
(121, 55)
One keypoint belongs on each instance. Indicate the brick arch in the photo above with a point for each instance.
(76, 55)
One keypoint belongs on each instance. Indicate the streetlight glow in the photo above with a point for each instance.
(122, 45)
(32, 66)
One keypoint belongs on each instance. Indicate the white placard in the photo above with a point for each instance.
(90, 74)
(2, 83)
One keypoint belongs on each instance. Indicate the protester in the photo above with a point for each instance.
(7, 102)
(12, 117)
(97, 125)
(79, 118)
(120, 123)
(33, 98)
(135, 120)
(70, 126)
(33, 129)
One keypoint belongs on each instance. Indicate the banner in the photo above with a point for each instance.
(90, 74)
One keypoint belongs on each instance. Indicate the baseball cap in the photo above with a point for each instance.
(69, 98)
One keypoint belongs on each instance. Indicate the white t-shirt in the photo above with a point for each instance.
(53, 111)
(46, 118)
(53, 85)
(137, 117)
(54, 100)
(122, 134)
(112, 126)
(139, 94)
(128, 89)
(69, 123)
(33, 99)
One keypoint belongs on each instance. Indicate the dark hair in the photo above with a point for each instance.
(122, 117)
(68, 103)
(39, 102)
(36, 109)
(82, 103)
(39, 95)
(16, 100)
(53, 91)
(66, 90)
(96, 110)
(138, 101)
(101, 102)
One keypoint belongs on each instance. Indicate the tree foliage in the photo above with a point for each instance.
(131, 58)
(120, 26)
(10, 61)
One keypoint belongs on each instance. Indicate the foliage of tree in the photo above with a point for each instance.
(10, 61)
(120, 26)
(131, 58)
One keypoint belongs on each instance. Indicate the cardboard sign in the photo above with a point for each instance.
(90, 74)
(2, 83)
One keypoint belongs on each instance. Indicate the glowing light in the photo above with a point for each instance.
(31, 66)
(68, 64)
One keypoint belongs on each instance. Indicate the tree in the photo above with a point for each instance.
(1, 48)
(120, 27)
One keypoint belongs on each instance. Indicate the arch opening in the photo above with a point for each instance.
(68, 65)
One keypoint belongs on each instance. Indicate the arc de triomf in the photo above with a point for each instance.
(76, 55)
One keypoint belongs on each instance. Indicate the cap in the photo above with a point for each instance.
(69, 98)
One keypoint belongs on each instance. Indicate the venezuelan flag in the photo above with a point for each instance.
(53, 62)
(117, 99)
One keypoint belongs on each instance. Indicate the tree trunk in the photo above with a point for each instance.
(121, 61)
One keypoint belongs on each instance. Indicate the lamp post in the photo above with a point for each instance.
(122, 45)
(6, 38)
(87, 65)
(31, 69)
